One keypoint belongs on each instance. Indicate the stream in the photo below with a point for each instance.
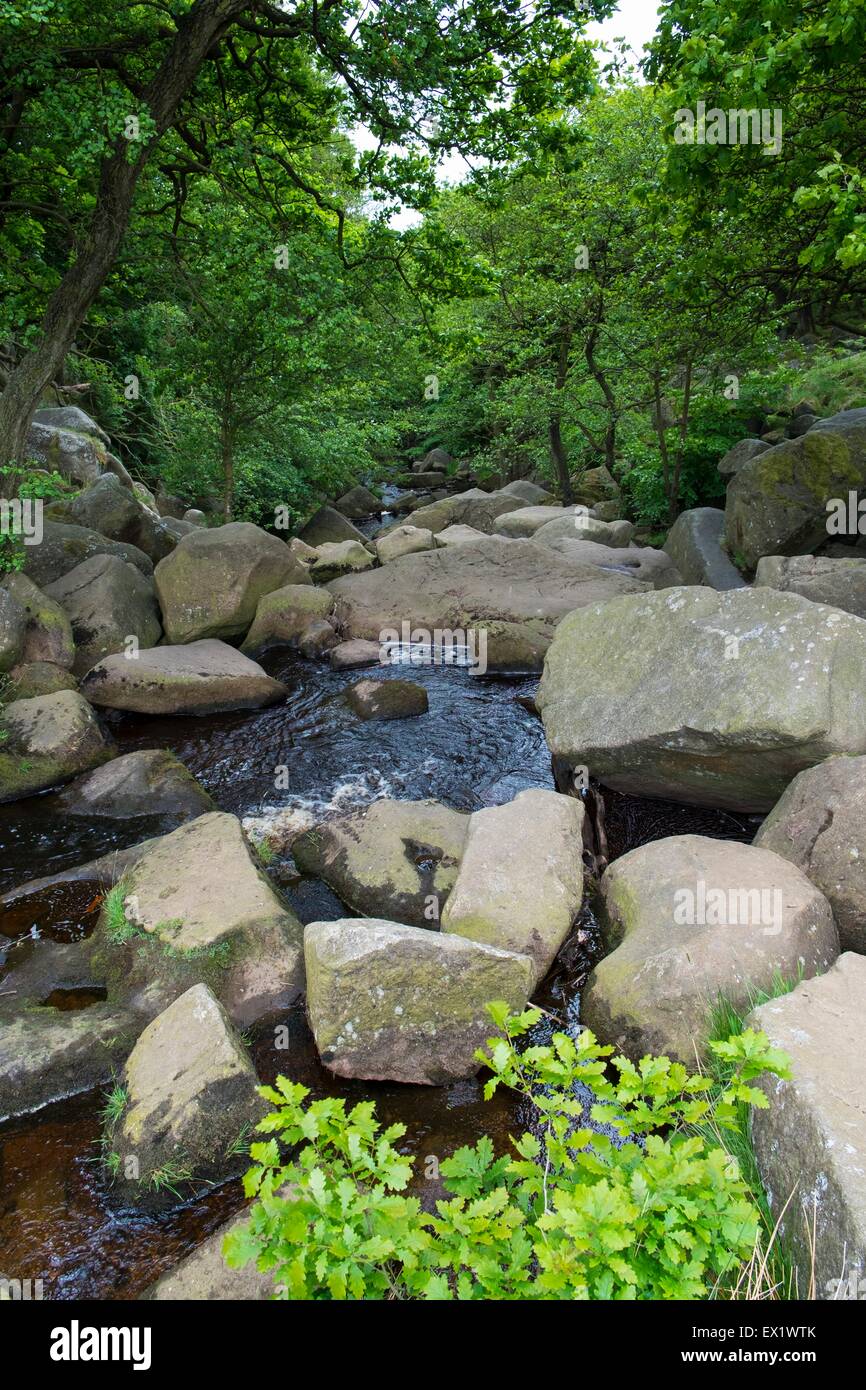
(478, 746)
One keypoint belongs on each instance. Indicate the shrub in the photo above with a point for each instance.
(660, 1212)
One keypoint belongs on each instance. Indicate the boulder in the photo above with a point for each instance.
(358, 502)
(108, 602)
(462, 587)
(317, 638)
(595, 485)
(284, 614)
(777, 503)
(32, 678)
(13, 625)
(527, 520)
(689, 920)
(49, 1054)
(204, 1277)
(424, 480)
(71, 417)
(197, 678)
(327, 527)
(170, 506)
(301, 551)
(194, 516)
(694, 543)
(211, 584)
(470, 508)
(391, 699)
(112, 509)
(641, 562)
(458, 535)
(742, 453)
(191, 1103)
(47, 741)
(576, 524)
(508, 648)
(63, 546)
(819, 824)
(698, 696)
(398, 858)
(403, 540)
(529, 493)
(356, 652)
(150, 782)
(80, 457)
(145, 497)
(840, 583)
(810, 1142)
(341, 557)
(388, 1002)
(48, 631)
(520, 884)
(436, 460)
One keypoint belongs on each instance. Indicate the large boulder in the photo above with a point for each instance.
(694, 543)
(470, 508)
(810, 1142)
(387, 1002)
(149, 782)
(527, 520)
(191, 1100)
(64, 545)
(47, 741)
(197, 678)
(283, 616)
(341, 557)
(520, 884)
(358, 502)
(841, 583)
(741, 454)
(112, 509)
(595, 485)
(71, 417)
(576, 524)
(13, 625)
(108, 602)
(777, 503)
(641, 562)
(31, 678)
(80, 457)
(706, 697)
(393, 859)
(819, 824)
(48, 631)
(211, 584)
(690, 920)
(403, 540)
(529, 493)
(327, 527)
(462, 587)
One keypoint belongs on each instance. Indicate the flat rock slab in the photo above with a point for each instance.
(388, 1002)
(527, 520)
(394, 858)
(713, 698)
(150, 782)
(50, 1054)
(198, 678)
(520, 884)
(47, 741)
(812, 1138)
(689, 919)
(204, 1277)
(392, 699)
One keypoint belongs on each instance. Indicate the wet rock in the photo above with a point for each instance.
(203, 1275)
(108, 602)
(388, 1002)
(63, 546)
(13, 624)
(398, 858)
(812, 1137)
(343, 557)
(394, 699)
(694, 543)
(841, 583)
(356, 652)
(780, 689)
(357, 503)
(403, 540)
(470, 508)
(317, 638)
(198, 678)
(150, 782)
(210, 586)
(520, 884)
(191, 1103)
(740, 454)
(284, 614)
(328, 527)
(690, 919)
(47, 741)
(529, 493)
(33, 678)
(48, 631)
(819, 824)
(577, 525)
(48, 1054)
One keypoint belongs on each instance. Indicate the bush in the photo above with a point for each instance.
(662, 1212)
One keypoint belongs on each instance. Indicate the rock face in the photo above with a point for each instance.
(284, 614)
(328, 527)
(31, 678)
(199, 678)
(13, 623)
(151, 782)
(780, 688)
(394, 859)
(467, 586)
(48, 741)
(470, 508)
(403, 540)
(392, 699)
(814, 1132)
(191, 1096)
(820, 825)
(48, 631)
(740, 454)
(112, 509)
(694, 543)
(840, 583)
(777, 503)
(358, 502)
(107, 602)
(520, 884)
(63, 546)
(394, 1003)
(576, 525)
(688, 919)
(341, 557)
(211, 584)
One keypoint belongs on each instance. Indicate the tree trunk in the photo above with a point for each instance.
(554, 428)
(71, 300)
(227, 454)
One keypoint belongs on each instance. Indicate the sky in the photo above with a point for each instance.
(633, 20)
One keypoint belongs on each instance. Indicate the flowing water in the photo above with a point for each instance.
(479, 745)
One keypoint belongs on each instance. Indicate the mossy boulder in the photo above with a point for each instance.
(46, 741)
(110, 605)
(149, 782)
(197, 678)
(48, 631)
(13, 624)
(30, 679)
(283, 615)
(65, 545)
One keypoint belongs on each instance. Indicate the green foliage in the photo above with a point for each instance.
(653, 1210)
(118, 928)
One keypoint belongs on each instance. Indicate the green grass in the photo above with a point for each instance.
(115, 1104)
(118, 928)
(168, 1178)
